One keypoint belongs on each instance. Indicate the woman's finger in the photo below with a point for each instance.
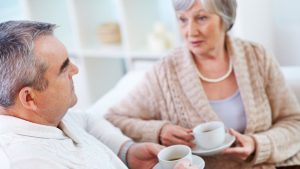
(235, 150)
(235, 133)
(175, 140)
(240, 141)
(244, 146)
(184, 135)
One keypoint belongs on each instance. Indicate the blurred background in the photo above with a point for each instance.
(109, 38)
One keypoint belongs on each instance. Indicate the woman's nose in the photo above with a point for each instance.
(193, 28)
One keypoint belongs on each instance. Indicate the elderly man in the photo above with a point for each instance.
(36, 90)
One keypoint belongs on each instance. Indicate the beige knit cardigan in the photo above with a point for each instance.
(172, 93)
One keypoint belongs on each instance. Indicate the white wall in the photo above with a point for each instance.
(287, 31)
(254, 22)
(273, 23)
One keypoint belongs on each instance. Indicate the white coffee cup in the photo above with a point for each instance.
(169, 156)
(209, 135)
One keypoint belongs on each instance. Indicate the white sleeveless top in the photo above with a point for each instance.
(231, 111)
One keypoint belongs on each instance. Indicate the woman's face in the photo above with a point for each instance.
(202, 30)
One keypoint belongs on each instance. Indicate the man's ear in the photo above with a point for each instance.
(27, 98)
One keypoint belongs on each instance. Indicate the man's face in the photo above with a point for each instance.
(54, 101)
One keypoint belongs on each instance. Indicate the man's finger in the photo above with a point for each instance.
(156, 148)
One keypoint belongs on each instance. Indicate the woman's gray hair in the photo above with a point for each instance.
(18, 65)
(226, 9)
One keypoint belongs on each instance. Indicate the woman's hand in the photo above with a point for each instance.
(244, 146)
(173, 134)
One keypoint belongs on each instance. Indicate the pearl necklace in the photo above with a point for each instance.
(219, 79)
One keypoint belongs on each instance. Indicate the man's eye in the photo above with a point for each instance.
(65, 69)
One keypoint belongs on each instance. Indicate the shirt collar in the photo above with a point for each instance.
(10, 124)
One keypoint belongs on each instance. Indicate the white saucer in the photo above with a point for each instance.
(229, 140)
(198, 161)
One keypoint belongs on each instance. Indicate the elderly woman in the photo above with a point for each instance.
(215, 77)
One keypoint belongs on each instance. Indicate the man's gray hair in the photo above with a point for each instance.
(226, 9)
(18, 65)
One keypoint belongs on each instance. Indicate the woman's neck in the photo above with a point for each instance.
(219, 56)
(218, 53)
(214, 63)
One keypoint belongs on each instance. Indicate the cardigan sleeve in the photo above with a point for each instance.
(138, 115)
(282, 141)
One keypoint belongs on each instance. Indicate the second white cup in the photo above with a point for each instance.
(209, 135)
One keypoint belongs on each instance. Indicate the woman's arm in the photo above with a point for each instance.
(282, 140)
(138, 114)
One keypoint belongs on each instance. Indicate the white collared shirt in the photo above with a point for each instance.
(26, 145)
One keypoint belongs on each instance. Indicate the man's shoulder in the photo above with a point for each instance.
(7, 138)
(11, 158)
(76, 117)
(4, 160)
(22, 151)
(6, 141)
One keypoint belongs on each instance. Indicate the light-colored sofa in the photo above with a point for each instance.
(292, 76)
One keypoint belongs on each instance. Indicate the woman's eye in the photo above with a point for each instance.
(182, 20)
(202, 18)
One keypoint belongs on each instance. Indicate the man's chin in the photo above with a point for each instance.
(74, 101)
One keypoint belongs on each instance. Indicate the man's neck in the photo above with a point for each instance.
(26, 115)
(3, 111)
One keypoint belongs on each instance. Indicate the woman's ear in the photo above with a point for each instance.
(27, 98)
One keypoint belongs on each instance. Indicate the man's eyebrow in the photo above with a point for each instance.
(64, 65)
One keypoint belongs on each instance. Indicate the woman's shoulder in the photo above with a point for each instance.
(247, 44)
(253, 53)
(251, 49)
(174, 54)
(169, 59)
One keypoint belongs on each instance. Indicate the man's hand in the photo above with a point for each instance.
(143, 155)
(173, 134)
(185, 164)
(244, 146)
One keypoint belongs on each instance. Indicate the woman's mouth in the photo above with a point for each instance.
(196, 43)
